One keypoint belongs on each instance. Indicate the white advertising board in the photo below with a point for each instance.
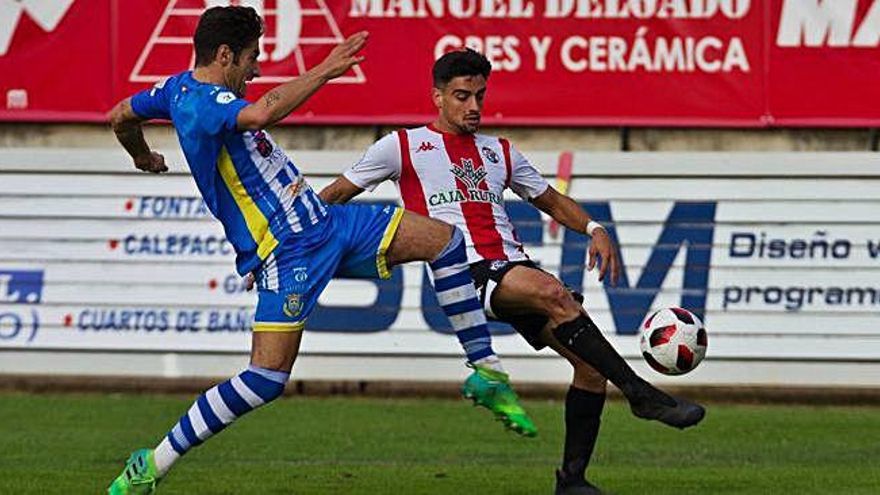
(779, 252)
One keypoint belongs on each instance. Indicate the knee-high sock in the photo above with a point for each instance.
(583, 415)
(584, 338)
(215, 409)
(458, 298)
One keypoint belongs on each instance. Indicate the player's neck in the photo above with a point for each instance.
(445, 127)
(209, 75)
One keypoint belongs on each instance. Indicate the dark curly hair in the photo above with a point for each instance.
(234, 26)
(465, 62)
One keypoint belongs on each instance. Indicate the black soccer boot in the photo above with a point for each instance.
(649, 402)
(646, 401)
(566, 485)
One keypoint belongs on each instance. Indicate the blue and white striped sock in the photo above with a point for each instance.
(217, 408)
(458, 298)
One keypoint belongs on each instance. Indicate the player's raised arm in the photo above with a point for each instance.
(126, 125)
(284, 99)
(567, 212)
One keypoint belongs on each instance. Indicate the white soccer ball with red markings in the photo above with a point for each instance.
(673, 341)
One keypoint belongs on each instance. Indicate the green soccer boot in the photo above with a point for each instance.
(139, 476)
(491, 389)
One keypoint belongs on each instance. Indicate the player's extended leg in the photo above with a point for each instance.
(272, 356)
(421, 238)
(527, 290)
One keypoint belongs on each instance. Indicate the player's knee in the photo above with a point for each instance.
(267, 384)
(557, 302)
(453, 252)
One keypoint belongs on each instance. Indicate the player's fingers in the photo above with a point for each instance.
(159, 163)
(603, 267)
(355, 42)
(592, 263)
(615, 269)
(360, 39)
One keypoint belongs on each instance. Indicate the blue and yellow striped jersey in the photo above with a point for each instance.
(247, 181)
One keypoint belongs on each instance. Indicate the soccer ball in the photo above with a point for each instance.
(673, 341)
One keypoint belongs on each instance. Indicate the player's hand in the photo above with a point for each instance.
(249, 281)
(153, 163)
(344, 56)
(603, 248)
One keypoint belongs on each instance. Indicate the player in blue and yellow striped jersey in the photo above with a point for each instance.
(282, 231)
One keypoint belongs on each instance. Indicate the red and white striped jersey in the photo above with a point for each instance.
(459, 179)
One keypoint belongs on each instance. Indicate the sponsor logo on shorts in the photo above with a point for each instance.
(300, 274)
(497, 265)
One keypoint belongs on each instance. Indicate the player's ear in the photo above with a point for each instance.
(437, 96)
(224, 55)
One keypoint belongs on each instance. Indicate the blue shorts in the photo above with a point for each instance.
(290, 280)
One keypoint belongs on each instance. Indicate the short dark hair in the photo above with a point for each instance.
(234, 26)
(465, 62)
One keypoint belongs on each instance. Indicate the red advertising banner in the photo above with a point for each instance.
(556, 62)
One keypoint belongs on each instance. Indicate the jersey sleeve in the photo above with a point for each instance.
(525, 179)
(220, 114)
(152, 103)
(381, 162)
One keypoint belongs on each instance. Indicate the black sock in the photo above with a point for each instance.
(585, 340)
(582, 337)
(583, 414)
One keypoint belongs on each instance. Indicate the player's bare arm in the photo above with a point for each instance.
(284, 99)
(567, 212)
(340, 191)
(127, 127)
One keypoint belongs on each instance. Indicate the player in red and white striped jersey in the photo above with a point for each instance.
(447, 170)
(457, 178)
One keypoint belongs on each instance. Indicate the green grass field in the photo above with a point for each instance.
(74, 444)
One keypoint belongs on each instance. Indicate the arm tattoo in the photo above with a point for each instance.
(272, 98)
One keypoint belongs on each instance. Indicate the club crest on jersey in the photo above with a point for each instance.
(225, 97)
(490, 154)
(262, 143)
(293, 305)
(472, 178)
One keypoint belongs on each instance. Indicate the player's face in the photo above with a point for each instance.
(461, 103)
(247, 68)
